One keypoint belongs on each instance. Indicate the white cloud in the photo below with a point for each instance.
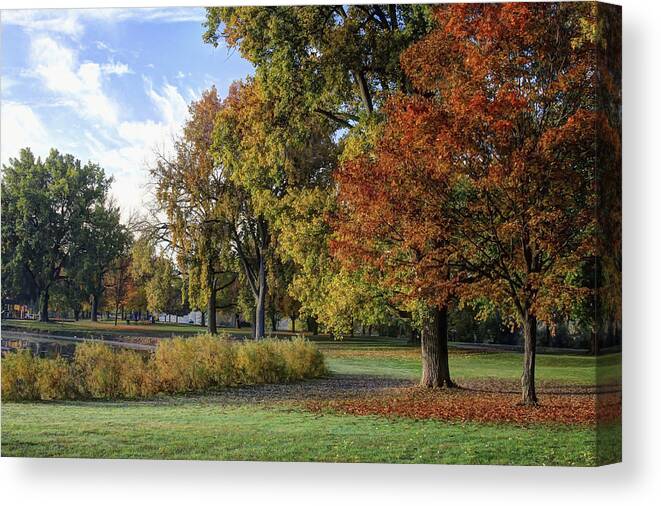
(116, 68)
(171, 105)
(61, 21)
(71, 21)
(57, 67)
(102, 46)
(131, 146)
(21, 128)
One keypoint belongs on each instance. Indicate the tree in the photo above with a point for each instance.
(394, 223)
(193, 192)
(118, 280)
(45, 205)
(267, 156)
(332, 66)
(99, 244)
(512, 89)
(338, 62)
(156, 272)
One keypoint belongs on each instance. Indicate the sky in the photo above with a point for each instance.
(107, 85)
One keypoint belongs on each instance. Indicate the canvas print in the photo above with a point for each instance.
(332, 233)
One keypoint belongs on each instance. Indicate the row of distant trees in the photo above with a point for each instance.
(64, 245)
(65, 248)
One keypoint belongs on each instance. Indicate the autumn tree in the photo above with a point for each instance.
(513, 94)
(331, 66)
(193, 193)
(269, 156)
(394, 216)
(156, 273)
(118, 282)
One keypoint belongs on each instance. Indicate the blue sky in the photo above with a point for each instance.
(107, 85)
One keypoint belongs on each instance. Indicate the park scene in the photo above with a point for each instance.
(325, 233)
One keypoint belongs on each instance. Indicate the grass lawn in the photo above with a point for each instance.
(198, 428)
(404, 363)
(206, 428)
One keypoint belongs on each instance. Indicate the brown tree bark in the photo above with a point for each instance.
(260, 300)
(211, 309)
(43, 305)
(95, 308)
(528, 394)
(434, 348)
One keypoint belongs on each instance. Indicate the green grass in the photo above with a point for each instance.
(558, 368)
(188, 428)
(204, 428)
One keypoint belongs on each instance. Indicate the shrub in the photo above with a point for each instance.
(19, 376)
(178, 365)
(175, 366)
(303, 359)
(261, 362)
(136, 378)
(55, 379)
(216, 357)
(98, 370)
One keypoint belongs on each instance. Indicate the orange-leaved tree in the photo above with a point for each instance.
(518, 89)
(395, 222)
(484, 183)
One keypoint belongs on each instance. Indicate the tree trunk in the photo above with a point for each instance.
(95, 307)
(116, 311)
(43, 305)
(434, 347)
(293, 324)
(312, 325)
(76, 314)
(594, 342)
(260, 305)
(211, 309)
(529, 396)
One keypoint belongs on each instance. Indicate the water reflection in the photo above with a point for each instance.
(39, 348)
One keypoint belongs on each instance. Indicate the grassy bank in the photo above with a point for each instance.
(199, 428)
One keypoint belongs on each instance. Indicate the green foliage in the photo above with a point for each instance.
(335, 61)
(99, 245)
(178, 366)
(157, 276)
(46, 209)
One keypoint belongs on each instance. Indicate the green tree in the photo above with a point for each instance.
(158, 275)
(45, 205)
(99, 244)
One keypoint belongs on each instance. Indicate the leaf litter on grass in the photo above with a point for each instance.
(467, 405)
